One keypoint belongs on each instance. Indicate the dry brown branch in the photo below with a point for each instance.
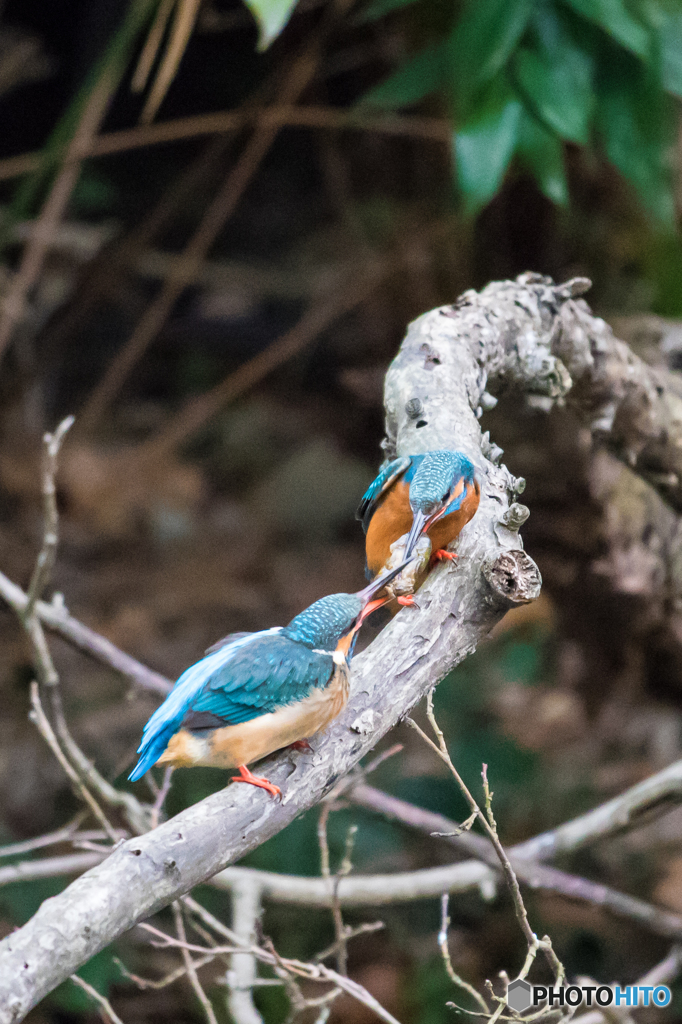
(186, 12)
(190, 967)
(55, 205)
(151, 46)
(430, 129)
(216, 216)
(352, 291)
(106, 1011)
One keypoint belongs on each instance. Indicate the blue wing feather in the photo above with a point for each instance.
(244, 678)
(270, 673)
(167, 718)
(385, 479)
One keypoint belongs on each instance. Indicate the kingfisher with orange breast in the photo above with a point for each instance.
(255, 693)
(427, 499)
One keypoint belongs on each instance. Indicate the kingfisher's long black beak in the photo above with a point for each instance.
(419, 522)
(374, 587)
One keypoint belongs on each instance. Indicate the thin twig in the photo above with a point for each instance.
(69, 751)
(53, 210)
(351, 291)
(216, 216)
(312, 972)
(487, 820)
(105, 1009)
(151, 46)
(161, 795)
(61, 835)
(185, 17)
(190, 966)
(366, 928)
(168, 979)
(429, 129)
(344, 869)
(46, 557)
(38, 716)
(56, 618)
(443, 943)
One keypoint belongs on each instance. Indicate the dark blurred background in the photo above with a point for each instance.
(210, 481)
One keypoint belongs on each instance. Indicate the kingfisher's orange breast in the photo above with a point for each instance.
(445, 530)
(392, 518)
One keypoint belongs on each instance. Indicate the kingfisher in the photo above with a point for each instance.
(255, 693)
(432, 496)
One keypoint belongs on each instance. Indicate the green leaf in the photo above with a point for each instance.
(615, 19)
(540, 150)
(635, 121)
(483, 39)
(272, 16)
(485, 143)
(555, 75)
(670, 42)
(415, 79)
(380, 8)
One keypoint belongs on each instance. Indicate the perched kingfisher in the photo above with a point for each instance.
(421, 496)
(255, 693)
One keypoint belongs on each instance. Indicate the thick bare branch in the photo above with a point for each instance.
(246, 911)
(531, 873)
(435, 390)
(637, 806)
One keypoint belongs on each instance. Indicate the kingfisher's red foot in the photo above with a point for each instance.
(301, 745)
(444, 556)
(255, 780)
(407, 601)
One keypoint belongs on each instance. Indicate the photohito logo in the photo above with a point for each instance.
(521, 995)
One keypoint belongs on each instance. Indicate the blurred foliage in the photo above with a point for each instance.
(524, 77)
(272, 16)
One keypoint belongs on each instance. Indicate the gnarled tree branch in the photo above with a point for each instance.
(526, 333)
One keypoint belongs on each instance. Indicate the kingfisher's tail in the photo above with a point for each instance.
(150, 751)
